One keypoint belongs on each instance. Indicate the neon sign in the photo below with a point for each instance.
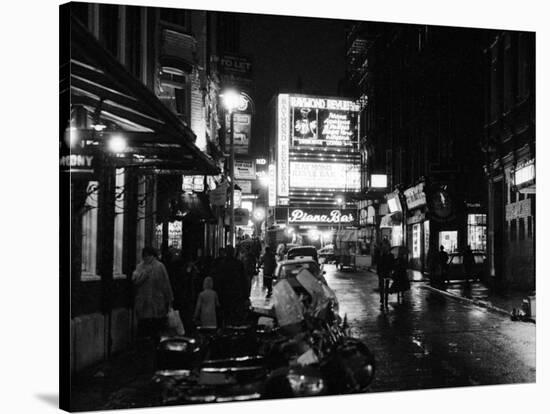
(283, 146)
(330, 217)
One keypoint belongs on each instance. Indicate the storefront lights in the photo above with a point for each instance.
(117, 144)
(259, 214)
(233, 100)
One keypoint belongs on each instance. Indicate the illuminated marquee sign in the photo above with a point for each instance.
(524, 173)
(326, 175)
(323, 122)
(320, 216)
(283, 146)
(272, 194)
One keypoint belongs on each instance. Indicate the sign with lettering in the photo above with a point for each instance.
(244, 169)
(242, 124)
(327, 128)
(246, 186)
(283, 136)
(272, 190)
(415, 196)
(519, 209)
(242, 216)
(524, 174)
(325, 175)
(81, 163)
(322, 216)
(394, 203)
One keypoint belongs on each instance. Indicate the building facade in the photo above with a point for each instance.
(423, 88)
(141, 148)
(509, 144)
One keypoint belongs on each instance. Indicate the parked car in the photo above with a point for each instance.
(302, 252)
(326, 253)
(456, 270)
(289, 269)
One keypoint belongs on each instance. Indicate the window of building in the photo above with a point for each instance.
(81, 12)
(512, 194)
(521, 224)
(508, 69)
(513, 230)
(109, 21)
(89, 233)
(477, 231)
(133, 40)
(118, 242)
(176, 17)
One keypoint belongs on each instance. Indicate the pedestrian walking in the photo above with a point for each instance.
(153, 295)
(184, 281)
(443, 263)
(384, 270)
(207, 305)
(401, 281)
(469, 262)
(233, 293)
(269, 263)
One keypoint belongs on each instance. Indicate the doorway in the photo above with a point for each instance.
(449, 240)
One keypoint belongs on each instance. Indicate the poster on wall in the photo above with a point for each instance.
(323, 122)
(242, 123)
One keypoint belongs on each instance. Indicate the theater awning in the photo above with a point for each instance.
(97, 82)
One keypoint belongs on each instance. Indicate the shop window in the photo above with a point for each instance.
(141, 215)
(513, 230)
(89, 233)
(477, 231)
(416, 241)
(118, 242)
(449, 240)
(521, 230)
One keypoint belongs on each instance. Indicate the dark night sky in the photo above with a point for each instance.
(284, 48)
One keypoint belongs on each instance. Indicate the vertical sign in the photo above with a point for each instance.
(283, 144)
(272, 194)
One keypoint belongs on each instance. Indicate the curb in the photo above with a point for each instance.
(476, 302)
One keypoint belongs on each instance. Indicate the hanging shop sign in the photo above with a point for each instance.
(244, 170)
(322, 216)
(325, 175)
(77, 163)
(394, 203)
(415, 196)
(378, 180)
(417, 217)
(233, 67)
(416, 241)
(192, 183)
(218, 196)
(246, 186)
(283, 132)
(524, 174)
(242, 124)
(242, 216)
(519, 209)
(441, 207)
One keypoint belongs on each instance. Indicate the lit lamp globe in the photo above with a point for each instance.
(259, 214)
(117, 144)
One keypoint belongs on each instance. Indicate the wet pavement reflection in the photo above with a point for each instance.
(431, 341)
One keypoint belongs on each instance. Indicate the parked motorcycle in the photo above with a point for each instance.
(298, 348)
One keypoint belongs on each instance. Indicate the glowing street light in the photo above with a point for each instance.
(117, 144)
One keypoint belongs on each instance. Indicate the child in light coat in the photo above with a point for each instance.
(207, 303)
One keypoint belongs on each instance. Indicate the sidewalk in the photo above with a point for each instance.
(479, 294)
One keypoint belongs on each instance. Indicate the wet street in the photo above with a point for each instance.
(430, 341)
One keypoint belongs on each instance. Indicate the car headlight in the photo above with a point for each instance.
(176, 346)
(305, 385)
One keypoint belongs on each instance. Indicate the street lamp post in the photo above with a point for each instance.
(231, 101)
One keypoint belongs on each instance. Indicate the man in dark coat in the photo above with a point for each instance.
(269, 263)
(233, 293)
(384, 270)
